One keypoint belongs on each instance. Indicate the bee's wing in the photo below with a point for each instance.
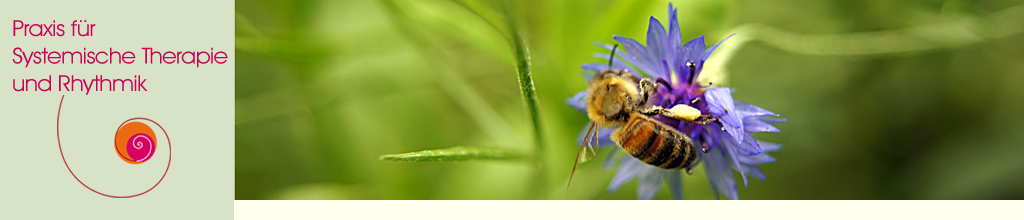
(591, 143)
(588, 154)
(586, 139)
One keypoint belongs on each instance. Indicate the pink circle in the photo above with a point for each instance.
(140, 147)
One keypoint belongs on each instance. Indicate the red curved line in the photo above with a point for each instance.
(90, 188)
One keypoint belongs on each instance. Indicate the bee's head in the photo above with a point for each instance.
(611, 95)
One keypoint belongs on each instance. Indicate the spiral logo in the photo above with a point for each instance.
(134, 142)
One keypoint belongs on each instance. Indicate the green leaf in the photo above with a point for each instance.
(456, 154)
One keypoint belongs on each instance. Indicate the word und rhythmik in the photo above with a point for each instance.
(70, 83)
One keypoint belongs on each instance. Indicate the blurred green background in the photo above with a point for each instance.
(886, 99)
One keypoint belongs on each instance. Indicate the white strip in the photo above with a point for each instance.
(623, 209)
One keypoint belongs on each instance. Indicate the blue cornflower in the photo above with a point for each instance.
(727, 141)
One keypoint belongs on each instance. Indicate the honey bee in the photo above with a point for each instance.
(618, 99)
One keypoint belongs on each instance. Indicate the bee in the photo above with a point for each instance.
(618, 99)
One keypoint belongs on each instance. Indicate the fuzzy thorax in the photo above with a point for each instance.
(611, 99)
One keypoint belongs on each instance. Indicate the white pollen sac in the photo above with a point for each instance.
(684, 112)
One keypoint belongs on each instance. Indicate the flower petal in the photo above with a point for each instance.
(604, 45)
(749, 147)
(650, 182)
(578, 102)
(721, 105)
(638, 56)
(693, 51)
(718, 100)
(675, 183)
(593, 68)
(656, 42)
(627, 171)
(609, 161)
(748, 110)
(736, 132)
(719, 174)
(762, 158)
(754, 171)
(754, 124)
(769, 147)
(757, 159)
(733, 151)
(675, 43)
(707, 53)
(773, 120)
(711, 138)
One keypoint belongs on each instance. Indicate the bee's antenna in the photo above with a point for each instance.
(586, 138)
(610, 58)
(693, 71)
(662, 81)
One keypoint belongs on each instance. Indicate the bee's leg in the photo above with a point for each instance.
(647, 88)
(704, 119)
(658, 110)
(654, 110)
(681, 112)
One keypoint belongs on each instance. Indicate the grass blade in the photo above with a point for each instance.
(529, 93)
(526, 87)
(458, 154)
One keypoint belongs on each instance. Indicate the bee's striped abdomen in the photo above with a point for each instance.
(655, 143)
